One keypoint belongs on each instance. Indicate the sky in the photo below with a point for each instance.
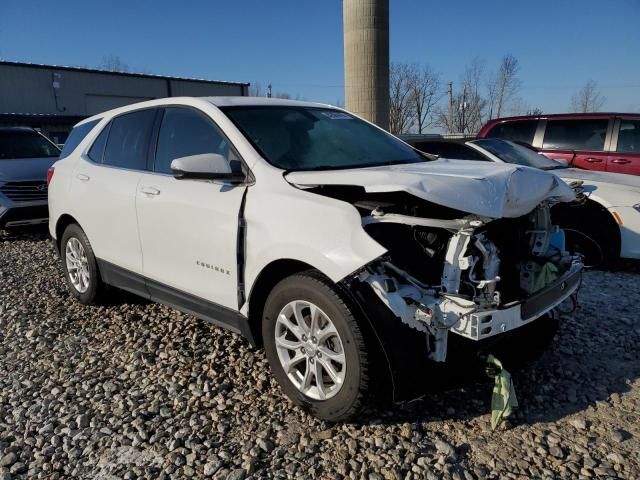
(296, 45)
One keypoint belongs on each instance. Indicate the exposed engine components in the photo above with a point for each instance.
(468, 299)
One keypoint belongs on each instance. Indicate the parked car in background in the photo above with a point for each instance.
(608, 142)
(25, 157)
(604, 227)
(346, 252)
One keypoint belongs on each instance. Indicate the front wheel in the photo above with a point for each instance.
(80, 266)
(315, 347)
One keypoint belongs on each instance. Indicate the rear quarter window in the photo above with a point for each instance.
(76, 136)
(517, 131)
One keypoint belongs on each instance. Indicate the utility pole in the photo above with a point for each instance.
(450, 122)
(269, 91)
(463, 106)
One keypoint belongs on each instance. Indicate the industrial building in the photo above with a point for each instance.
(54, 98)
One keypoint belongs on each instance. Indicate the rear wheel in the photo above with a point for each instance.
(80, 266)
(315, 347)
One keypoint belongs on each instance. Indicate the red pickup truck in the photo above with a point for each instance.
(594, 141)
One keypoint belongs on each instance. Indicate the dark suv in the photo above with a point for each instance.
(25, 157)
(593, 141)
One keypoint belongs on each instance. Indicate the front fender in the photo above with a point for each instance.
(289, 223)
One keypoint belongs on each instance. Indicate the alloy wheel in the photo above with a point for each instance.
(310, 350)
(77, 265)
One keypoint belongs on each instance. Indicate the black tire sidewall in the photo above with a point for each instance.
(88, 297)
(301, 287)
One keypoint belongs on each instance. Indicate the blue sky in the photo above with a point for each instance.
(297, 44)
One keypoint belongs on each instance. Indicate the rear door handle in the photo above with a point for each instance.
(150, 191)
(620, 161)
(593, 160)
(83, 177)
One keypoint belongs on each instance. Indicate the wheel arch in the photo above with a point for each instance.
(61, 225)
(268, 277)
(595, 215)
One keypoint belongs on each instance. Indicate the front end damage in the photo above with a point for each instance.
(472, 260)
(472, 276)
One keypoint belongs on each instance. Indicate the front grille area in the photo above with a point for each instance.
(25, 191)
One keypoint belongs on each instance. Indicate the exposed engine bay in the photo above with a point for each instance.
(471, 275)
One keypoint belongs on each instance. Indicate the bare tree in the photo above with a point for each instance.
(256, 90)
(503, 86)
(424, 91)
(587, 99)
(113, 64)
(468, 109)
(401, 107)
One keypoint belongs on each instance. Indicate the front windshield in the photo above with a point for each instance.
(25, 144)
(307, 138)
(513, 153)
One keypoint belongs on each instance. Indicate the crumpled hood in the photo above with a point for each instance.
(25, 168)
(611, 178)
(481, 188)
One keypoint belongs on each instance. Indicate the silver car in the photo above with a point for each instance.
(25, 157)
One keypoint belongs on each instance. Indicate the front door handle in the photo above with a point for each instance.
(83, 177)
(620, 161)
(150, 191)
(593, 160)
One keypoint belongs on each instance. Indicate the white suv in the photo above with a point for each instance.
(348, 254)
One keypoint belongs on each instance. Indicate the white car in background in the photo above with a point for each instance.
(606, 226)
(347, 253)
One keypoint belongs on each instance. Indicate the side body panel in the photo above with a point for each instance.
(188, 231)
(102, 200)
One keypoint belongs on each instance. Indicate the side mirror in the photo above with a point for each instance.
(206, 166)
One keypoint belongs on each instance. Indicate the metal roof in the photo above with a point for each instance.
(111, 72)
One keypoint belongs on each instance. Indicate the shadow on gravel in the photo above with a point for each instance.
(625, 265)
(116, 296)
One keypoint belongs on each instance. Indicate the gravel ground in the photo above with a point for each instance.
(137, 390)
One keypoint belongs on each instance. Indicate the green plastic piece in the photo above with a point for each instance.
(503, 399)
(547, 274)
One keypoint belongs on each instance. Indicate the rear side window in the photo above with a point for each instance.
(186, 132)
(96, 152)
(450, 150)
(76, 136)
(128, 142)
(517, 130)
(587, 134)
(629, 136)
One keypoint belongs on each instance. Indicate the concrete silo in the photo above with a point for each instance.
(366, 59)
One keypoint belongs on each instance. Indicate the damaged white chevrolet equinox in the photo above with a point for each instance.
(349, 255)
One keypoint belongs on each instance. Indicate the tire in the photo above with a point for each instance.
(338, 396)
(87, 287)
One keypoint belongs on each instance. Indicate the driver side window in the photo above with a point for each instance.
(185, 132)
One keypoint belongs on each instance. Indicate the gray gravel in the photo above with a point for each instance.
(137, 390)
